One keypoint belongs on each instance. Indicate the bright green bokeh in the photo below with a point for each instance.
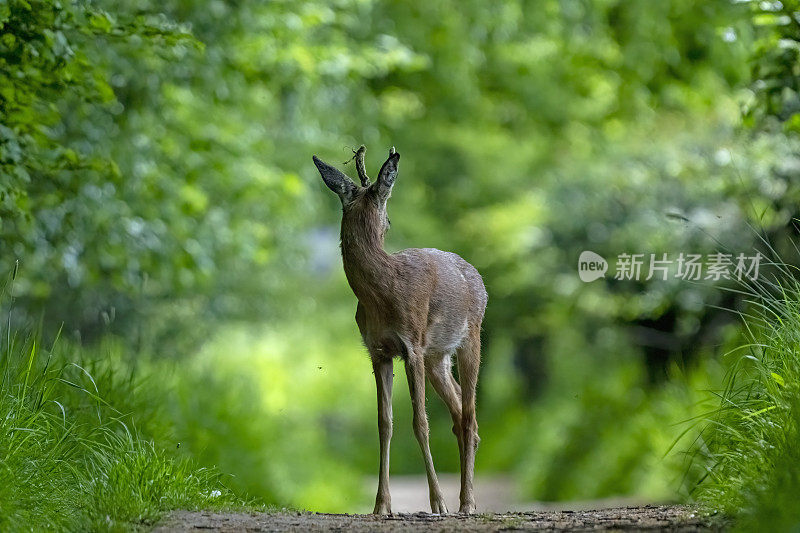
(156, 187)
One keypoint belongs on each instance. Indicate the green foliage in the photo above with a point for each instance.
(70, 460)
(155, 183)
(59, 207)
(775, 99)
(751, 443)
(136, 484)
(289, 430)
(198, 201)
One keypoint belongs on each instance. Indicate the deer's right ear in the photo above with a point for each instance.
(387, 174)
(336, 181)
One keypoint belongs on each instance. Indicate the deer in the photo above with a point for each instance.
(421, 305)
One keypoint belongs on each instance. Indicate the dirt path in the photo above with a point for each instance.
(643, 518)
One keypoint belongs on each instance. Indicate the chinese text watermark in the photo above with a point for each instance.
(693, 267)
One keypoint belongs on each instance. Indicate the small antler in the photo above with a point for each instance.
(360, 168)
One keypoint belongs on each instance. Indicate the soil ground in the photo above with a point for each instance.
(640, 518)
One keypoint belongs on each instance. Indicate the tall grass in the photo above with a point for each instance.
(70, 459)
(751, 442)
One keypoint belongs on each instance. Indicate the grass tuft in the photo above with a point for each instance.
(70, 460)
(751, 442)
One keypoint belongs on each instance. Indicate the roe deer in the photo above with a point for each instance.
(423, 305)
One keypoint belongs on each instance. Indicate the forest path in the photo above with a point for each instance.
(642, 518)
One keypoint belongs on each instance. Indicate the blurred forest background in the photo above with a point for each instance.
(158, 193)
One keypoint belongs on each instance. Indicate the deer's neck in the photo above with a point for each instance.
(367, 266)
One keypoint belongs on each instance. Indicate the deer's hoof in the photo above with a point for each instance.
(438, 506)
(382, 508)
(467, 508)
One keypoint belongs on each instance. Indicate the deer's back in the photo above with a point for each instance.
(456, 283)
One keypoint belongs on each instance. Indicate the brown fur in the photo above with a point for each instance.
(423, 305)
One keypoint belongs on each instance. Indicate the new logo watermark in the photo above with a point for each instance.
(714, 267)
(591, 266)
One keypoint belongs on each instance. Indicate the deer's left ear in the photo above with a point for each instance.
(336, 181)
(388, 174)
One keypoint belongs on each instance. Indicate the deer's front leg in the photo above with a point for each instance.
(382, 367)
(415, 372)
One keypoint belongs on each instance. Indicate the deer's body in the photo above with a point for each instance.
(421, 304)
(437, 282)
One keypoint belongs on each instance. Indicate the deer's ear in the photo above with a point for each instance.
(388, 174)
(336, 181)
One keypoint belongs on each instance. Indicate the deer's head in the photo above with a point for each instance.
(364, 206)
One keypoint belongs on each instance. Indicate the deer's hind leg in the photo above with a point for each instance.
(415, 372)
(469, 360)
(439, 372)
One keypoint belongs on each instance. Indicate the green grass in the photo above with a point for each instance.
(70, 459)
(751, 442)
